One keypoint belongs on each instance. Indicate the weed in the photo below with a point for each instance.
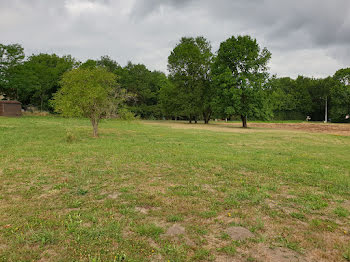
(174, 218)
(149, 230)
(341, 212)
(229, 250)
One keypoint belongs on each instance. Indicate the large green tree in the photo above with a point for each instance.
(88, 92)
(240, 72)
(11, 57)
(144, 84)
(189, 66)
(291, 98)
(45, 72)
(340, 96)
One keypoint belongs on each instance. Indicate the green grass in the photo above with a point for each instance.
(65, 196)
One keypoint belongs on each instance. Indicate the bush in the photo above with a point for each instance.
(125, 114)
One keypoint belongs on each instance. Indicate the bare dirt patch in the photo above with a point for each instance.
(175, 230)
(114, 195)
(281, 254)
(239, 233)
(276, 254)
(335, 129)
(142, 210)
(48, 255)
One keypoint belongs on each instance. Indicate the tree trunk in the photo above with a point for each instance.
(190, 119)
(206, 117)
(94, 123)
(244, 121)
(326, 112)
(41, 103)
(195, 120)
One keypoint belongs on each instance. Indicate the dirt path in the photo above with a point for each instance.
(335, 129)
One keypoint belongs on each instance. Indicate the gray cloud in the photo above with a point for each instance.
(309, 37)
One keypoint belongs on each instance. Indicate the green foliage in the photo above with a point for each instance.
(291, 98)
(144, 86)
(88, 64)
(41, 75)
(233, 84)
(11, 57)
(340, 96)
(240, 73)
(189, 67)
(91, 93)
(126, 114)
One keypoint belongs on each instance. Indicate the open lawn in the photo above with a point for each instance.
(165, 191)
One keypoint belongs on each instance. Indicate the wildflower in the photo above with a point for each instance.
(229, 214)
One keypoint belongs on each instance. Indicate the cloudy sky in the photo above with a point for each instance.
(309, 37)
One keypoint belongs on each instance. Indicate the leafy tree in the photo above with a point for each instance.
(88, 92)
(169, 100)
(189, 66)
(105, 61)
(45, 71)
(319, 91)
(240, 72)
(145, 86)
(89, 64)
(108, 63)
(11, 57)
(343, 76)
(284, 98)
(340, 96)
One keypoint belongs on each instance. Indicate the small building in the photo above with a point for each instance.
(10, 108)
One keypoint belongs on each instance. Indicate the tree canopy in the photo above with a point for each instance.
(88, 92)
(234, 83)
(189, 70)
(240, 73)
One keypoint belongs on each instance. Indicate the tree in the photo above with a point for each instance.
(45, 71)
(343, 76)
(108, 63)
(340, 96)
(240, 72)
(189, 66)
(89, 64)
(88, 92)
(138, 80)
(11, 56)
(169, 100)
(284, 99)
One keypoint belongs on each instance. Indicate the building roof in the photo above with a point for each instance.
(10, 102)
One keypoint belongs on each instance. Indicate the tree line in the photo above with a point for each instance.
(232, 83)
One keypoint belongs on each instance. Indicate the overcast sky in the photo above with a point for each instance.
(308, 37)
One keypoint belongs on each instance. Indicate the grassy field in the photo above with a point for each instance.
(149, 191)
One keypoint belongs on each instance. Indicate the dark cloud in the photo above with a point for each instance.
(308, 37)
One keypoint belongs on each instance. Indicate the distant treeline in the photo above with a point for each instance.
(232, 83)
